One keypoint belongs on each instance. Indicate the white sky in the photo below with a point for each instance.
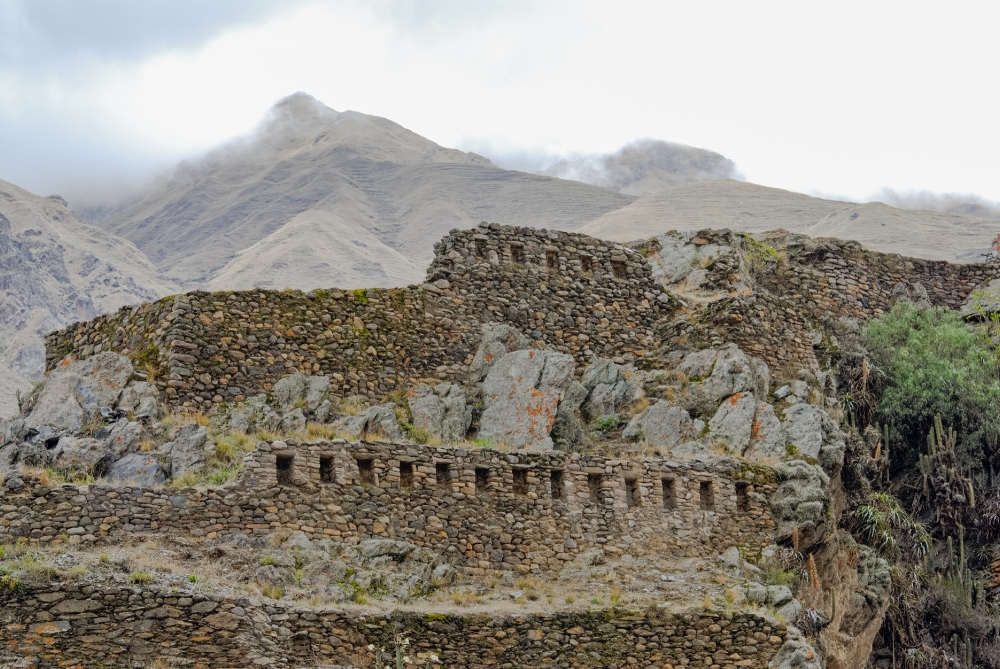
(842, 98)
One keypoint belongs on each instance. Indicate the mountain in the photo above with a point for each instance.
(748, 207)
(644, 167)
(318, 197)
(54, 270)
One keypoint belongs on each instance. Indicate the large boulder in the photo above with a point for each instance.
(567, 433)
(123, 437)
(802, 496)
(608, 386)
(498, 340)
(745, 424)
(82, 455)
(187, 450)
(76, 389)
(796, 654)
(662, 424)
(138, 469)
(377, 422)
(521, 394)
(982, 302)
(440, 410)
(811, 432)
(714, 375)
(141, 400)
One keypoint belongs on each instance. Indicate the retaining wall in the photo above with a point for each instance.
(73, 625)
(480, 509)
(568, 292)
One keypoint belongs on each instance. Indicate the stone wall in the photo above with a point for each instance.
(480, 509)
(103, 625)
(209, 348)
(568, 292)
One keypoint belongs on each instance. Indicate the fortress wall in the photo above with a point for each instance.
(480, 509)
(108, 625)
(208, 348)
(568, 292)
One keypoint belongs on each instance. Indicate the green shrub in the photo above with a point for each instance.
(934, 363)
(606, 423)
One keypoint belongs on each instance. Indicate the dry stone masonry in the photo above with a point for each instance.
(66, 625)
(481, 509)
(569, 293)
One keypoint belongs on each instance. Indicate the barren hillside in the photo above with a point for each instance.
(748, 207)
(242, 216)
(54, 270)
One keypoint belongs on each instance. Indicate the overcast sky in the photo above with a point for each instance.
(843, 98)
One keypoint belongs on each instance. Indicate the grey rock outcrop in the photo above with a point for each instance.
(498, 340)
(567, 433)
(376, 421)
(440, 410)
(300, 391)
(75, 389)
(137, 469)
(811, 432)
(714, 375)
(796, 654)
(293, 421)
(662, 424)
(187, 450)
(141, 399)
(802, 495)
(83, 455)
(521, 393)
(983, 301)
(609, 388)
(124, 437)
(745, 424)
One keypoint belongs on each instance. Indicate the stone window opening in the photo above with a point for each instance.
(443, 472)
(480, 248)
(618, 269)
(556, 481)
(585, 264)
(366, 471)
(706, 492)
(520, 482)
(285, 467)
(551, 261)
(742, 496)
(632, 495)
(594, 487)
(669, 493)
(517, 255)
(405, 474)
(326, 469)
(482, 479)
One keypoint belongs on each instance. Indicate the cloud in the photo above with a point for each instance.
(966, 204)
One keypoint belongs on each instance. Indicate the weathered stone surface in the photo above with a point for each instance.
(140, 399)
(293, 421)
(397, 550)
(796, 654)
(610, 388)
(983, 301)
(802, 495)
(324, 572)
(76, 388)
(187, 450)
(810, 431)
(498, 340)
(440, 410)
(567, 433)
(714, 375)
(124, 437)
(375, 422)
(8, 459)
(88, 456)
(137, 469)
(661, 424)
(522, 393)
